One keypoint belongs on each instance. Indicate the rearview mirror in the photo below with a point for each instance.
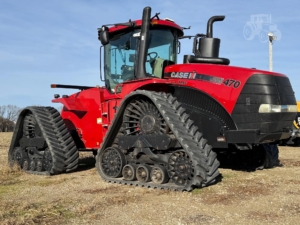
(103, 35)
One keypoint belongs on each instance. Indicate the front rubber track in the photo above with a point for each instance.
(59, 141)
(191, 140)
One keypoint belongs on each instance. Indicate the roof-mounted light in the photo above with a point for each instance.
(170, 20)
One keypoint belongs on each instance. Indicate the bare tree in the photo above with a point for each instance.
(2, 112)
(8, 117)
(8, 126)
(12, 112)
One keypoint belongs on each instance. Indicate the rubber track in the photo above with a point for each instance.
(68, 145)
(62, 147)
(204, 159)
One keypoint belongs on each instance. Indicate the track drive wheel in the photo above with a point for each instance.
(142, 117)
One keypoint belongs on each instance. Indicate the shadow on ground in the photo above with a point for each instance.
(86, 163)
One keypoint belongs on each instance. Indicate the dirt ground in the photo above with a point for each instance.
(263, 197)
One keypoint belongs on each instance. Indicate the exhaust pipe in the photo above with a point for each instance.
(208, 46)
(209, 29)
(140, 67)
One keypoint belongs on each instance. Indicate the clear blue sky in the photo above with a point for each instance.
(45, 42)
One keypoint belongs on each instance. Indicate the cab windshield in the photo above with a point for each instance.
(121, 52)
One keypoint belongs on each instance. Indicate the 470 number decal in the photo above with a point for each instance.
(232, 83)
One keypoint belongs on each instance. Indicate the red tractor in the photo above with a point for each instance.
(158, 123)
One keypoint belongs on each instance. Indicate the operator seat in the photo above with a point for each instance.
(159, 66)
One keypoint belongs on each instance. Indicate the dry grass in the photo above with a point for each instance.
(261, 197)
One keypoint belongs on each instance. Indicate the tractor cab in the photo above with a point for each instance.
(130, 53)
(143, 48)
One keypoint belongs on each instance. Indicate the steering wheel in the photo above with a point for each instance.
(151, 59)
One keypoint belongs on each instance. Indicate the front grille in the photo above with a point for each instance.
(264, 89)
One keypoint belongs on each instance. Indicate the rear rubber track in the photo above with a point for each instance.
(59, 141)
(191, 140)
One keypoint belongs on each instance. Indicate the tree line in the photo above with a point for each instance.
(8, 117)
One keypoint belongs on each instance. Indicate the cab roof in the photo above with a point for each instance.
(154, 23)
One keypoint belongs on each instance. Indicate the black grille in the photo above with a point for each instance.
(264, 89)
(196, 100)
(208, 115)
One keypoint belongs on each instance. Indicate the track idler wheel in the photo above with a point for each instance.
(129, 172)
(159, 175)
(180, 168)
(112, 161)
(143, 173)
(21, 158)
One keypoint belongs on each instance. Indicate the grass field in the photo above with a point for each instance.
(263, 197)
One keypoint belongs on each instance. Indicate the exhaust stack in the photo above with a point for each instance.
(140, 69)
(208, 46)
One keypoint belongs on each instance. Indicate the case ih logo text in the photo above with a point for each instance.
(183, 75)
(217, 80)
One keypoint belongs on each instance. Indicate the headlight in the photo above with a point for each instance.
(269, 108)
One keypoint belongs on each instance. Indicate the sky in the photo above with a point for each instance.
(56, 42)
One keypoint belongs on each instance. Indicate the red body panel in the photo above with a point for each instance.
(81, 112)
(91, 111)
(225, 94)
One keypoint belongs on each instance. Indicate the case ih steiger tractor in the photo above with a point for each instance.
(159, 123)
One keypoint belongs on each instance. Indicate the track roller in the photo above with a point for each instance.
(159, 175)
(143, 173)
(39, 165)
(25, 165)
(129, 172)
(32, 165)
